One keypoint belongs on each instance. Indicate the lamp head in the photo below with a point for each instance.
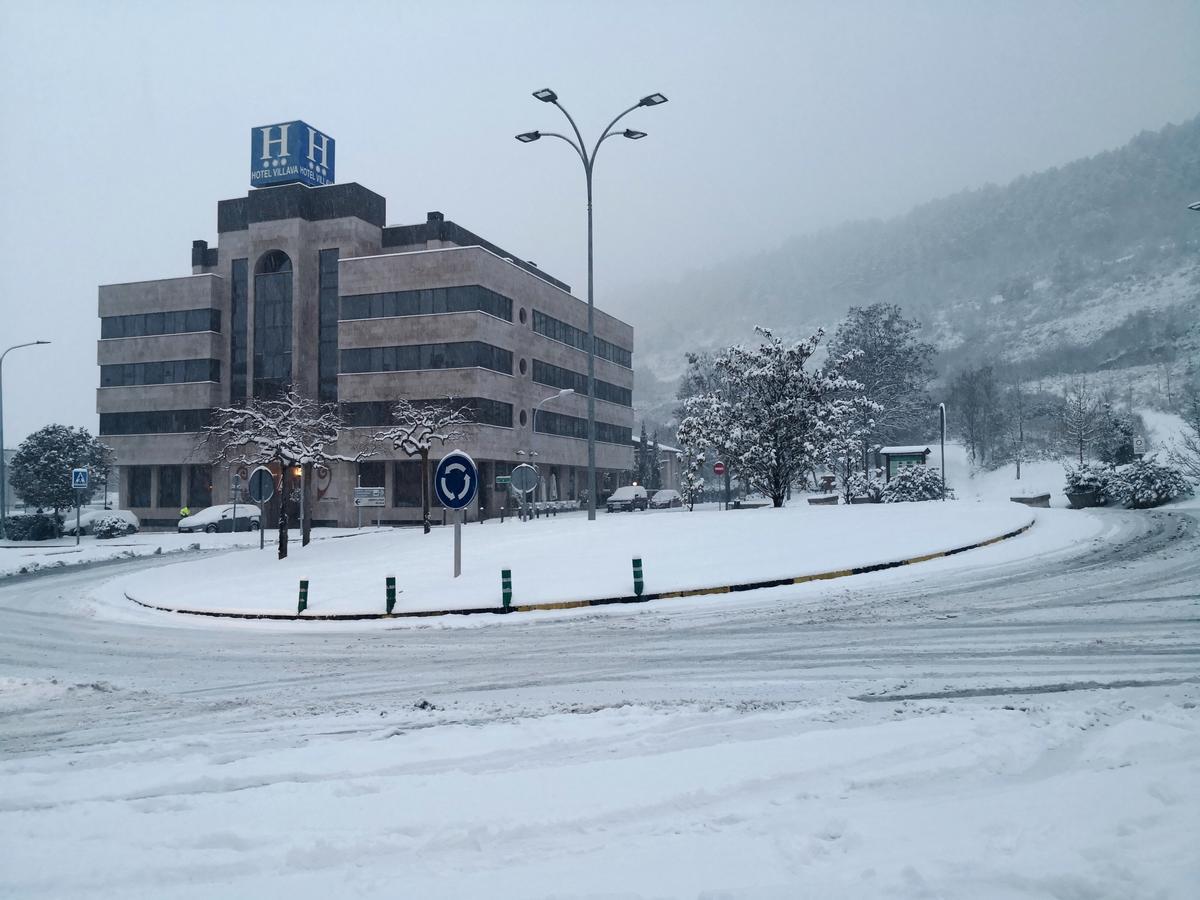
(566, 391)
(528, 137)
(633, 134)
(1195, 207)
(546, 95)
(652, 100)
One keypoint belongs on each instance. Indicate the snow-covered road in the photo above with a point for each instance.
(991, 728)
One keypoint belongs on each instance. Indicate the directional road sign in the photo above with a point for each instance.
(456, 480)
(524, 478)
(370, 496)
(79, 478)
(262, 485)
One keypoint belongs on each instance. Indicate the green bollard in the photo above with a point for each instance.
(391, 594)
(506, 587)
(638, 584)
(303, 605)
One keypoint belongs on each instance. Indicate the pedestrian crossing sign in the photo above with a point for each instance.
(79, 478)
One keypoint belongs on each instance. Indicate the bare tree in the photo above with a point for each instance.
(418, 426)
(291, 430)
(1080, 416)
(1185, 452)
(1018, 413)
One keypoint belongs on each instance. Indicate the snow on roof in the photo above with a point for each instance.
(900, 451)
(637, 439)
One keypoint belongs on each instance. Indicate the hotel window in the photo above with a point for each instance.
(272, 324)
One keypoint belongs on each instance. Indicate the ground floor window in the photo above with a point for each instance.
(199, 487)
(138, 480)
(406, 483)
(372, 473)
(170, 486)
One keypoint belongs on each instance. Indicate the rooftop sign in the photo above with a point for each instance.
(290, 153)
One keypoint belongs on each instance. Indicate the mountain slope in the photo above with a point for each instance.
(1094, 265)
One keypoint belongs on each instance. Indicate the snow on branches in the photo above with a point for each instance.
(418, 426)
(292, 429)
(767, 413)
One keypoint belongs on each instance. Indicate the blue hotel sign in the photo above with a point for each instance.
(288, 153)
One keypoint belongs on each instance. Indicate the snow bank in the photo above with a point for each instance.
(567, 558)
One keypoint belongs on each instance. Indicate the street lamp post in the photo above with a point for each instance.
(942, 415)
(589, 161)
(3, 467)
(533, 422)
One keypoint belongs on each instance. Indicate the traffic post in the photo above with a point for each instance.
(235, 488)
(719, 469)
(79, 481)
(455, 482)
(262, 489)
(391, 593)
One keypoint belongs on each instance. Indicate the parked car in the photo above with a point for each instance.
(89, 517)
(627, 499)
(666, 499)
(220, 518)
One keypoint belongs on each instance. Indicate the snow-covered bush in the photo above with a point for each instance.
(1144, 484)
(915, 483)
(1093, 478)
(31, 527)
(867, 485)
(111, 526)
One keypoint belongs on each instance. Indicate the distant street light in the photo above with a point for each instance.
(942, 414)
(1194, 207)
(589, 161)
(3, 470)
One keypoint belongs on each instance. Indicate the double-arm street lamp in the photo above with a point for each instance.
(3, 465)
(589, 161)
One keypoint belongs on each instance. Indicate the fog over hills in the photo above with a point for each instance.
(1090, 267)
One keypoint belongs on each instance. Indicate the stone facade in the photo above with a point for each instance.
(173, 349)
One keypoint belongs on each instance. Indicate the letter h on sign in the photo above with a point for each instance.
(277, 155)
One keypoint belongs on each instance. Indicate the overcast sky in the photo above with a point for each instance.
(124, 123)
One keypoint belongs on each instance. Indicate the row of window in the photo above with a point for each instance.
(171, 482)
(327, 327)
(459, 355)
(163, 421)
(239, 305)
(481, 410)
(389, 304)
(574, 427)
(577, 338)
(182, 321)
(175, 371)
(556, 376)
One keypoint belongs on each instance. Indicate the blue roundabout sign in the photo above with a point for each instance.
(456, 480)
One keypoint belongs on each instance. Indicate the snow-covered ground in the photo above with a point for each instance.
(25, 557)
(563, 559)
(1017, 721)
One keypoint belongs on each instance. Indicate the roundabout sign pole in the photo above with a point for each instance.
(455, 482)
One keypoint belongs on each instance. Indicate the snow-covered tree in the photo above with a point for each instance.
(1145, 484)
(40, 470)
(767, 410)
(914, 483)
(849, 419)
(1079, 417)
(641, 459)
(654, 462)
(893, 365)
(419, 425)
(289, 431)
(1114, 436)
(693, 476)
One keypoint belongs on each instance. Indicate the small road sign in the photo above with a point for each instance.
(262, 485)
(79, 479)
(524, 478)
(503, 480)
(370, 496)
(456, 480)
(718, 468)
(1139, 444)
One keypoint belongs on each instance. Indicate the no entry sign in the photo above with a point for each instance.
(718, 468)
